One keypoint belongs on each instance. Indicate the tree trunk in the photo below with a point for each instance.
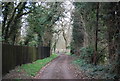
(111, 32)
(96, 33)
(117, 40)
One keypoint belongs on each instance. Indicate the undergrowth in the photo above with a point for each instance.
(97, 72)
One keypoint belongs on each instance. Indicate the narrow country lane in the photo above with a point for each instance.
(60, 68)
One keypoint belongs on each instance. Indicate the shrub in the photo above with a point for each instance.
(87, 53)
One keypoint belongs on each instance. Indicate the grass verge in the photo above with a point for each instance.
(68, 53)
(32, 68)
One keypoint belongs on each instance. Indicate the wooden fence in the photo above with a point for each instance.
(16, 55)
